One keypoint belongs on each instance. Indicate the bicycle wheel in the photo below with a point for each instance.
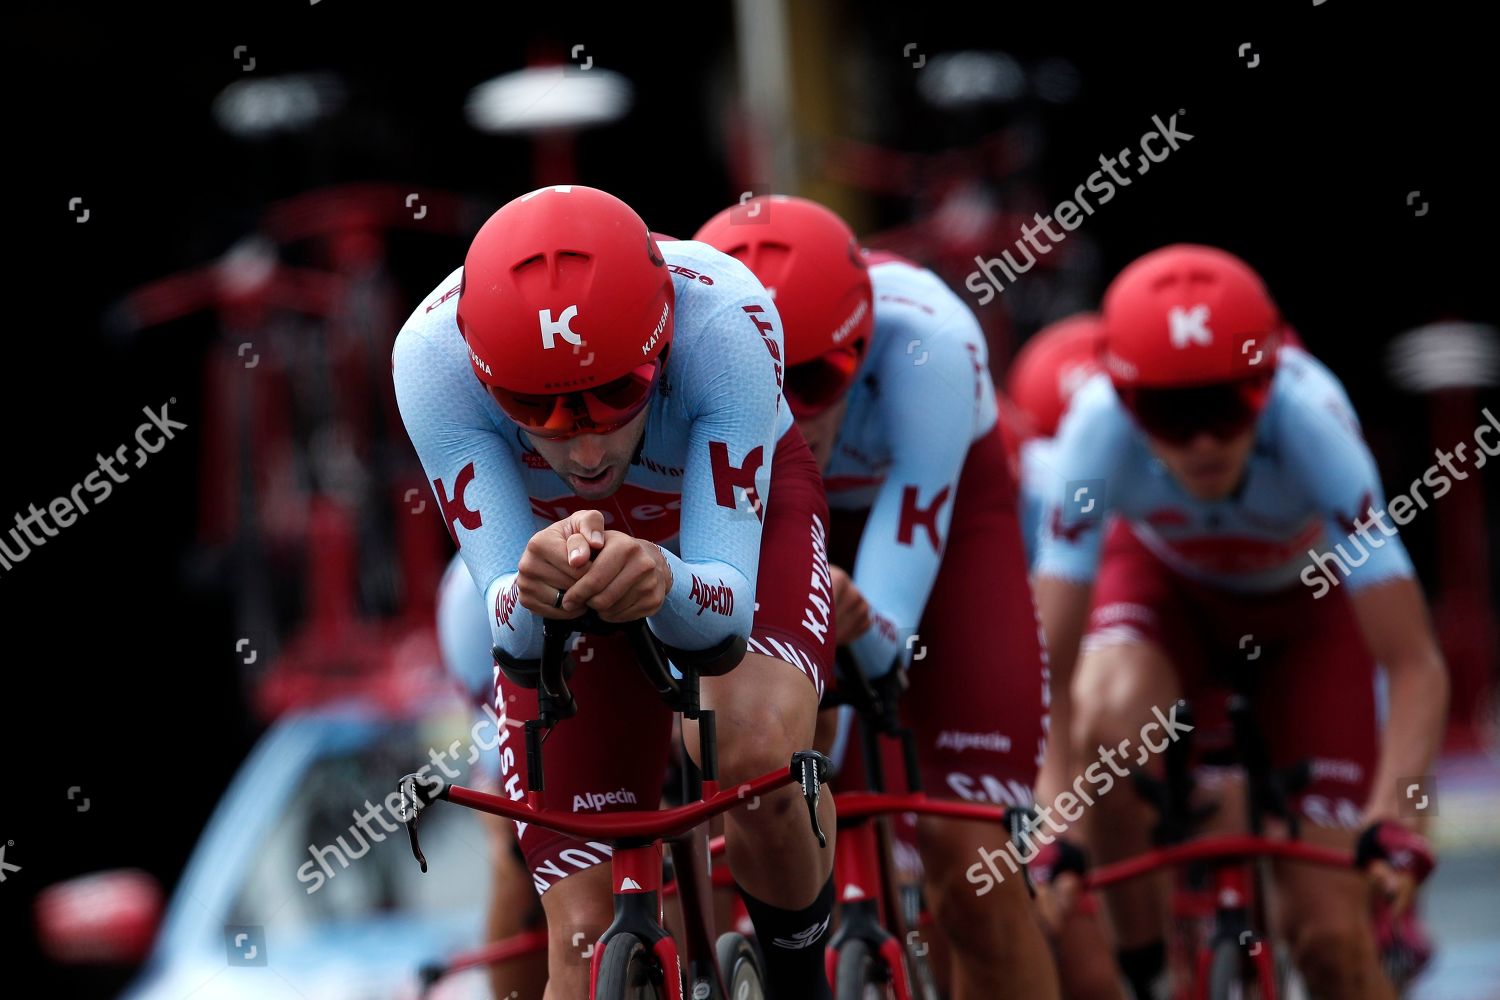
(740, 967)
(860, 974)
(1230, 976)
(629, 971)
(923, 981)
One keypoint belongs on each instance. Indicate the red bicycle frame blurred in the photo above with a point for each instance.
(1237, 953)
(635, 956)
(875, 946)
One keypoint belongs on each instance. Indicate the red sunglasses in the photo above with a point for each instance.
(1223, 410)
(599, 410)
(814, 386)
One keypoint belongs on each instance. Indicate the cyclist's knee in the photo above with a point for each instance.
(1333, 951)
(949, 850)
(973, 923)
(578, 910)
(763, 722)
(1114, 689)
(1325, 920)
(747, 755)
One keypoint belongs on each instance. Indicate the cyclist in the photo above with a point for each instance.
(1234, 466)
(600, 415)
(1045, 373)
(887, 376)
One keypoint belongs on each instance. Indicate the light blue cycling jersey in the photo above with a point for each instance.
(697, 486)
(1036, 471)
(921, 396)
(1310, 477)
(463, 631)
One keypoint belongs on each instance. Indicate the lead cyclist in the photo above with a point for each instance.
(600, 415)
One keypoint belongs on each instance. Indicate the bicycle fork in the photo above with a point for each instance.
(863, 907)
(636, 870)
(1234, 902)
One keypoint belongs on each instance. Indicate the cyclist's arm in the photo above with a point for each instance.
(1323, 444)
(1093, 446)
(730, 388)
(928, 412)
(473, 475)
(1063, 608)
(1393, 617)
(1319, 436)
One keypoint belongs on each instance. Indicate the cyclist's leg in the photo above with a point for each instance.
(513, 909)
(582, 905)
(1131, 665)
(1325, 916)
(1086, 968)
(766, 709)
(1317, 704)
(1120, 678)
(976, 705)
(617, 743)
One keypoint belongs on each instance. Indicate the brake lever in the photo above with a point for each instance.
(811, 768)
(410, 810)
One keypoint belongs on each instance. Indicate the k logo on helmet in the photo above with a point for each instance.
(1190, 326)
(560, 327)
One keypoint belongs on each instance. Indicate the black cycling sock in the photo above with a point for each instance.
(791, 942)
(1142, 967)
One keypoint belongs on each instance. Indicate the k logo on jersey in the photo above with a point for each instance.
(728, 477)
(456, 509)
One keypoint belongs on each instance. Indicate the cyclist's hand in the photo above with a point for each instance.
(629, 579)
(1057, 875)
(555, 559)
(1397, 859)
(851, 612)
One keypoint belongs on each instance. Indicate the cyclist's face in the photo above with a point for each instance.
(1206, 467)
(594, 465)
(822, 429)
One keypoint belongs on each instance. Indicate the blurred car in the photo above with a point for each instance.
(287, 894)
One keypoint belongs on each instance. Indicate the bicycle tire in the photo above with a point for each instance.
(739, 965)
(1230, 977)
(860, 974)
(629, 971)
(923, 980)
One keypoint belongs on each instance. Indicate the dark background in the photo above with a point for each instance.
(120, 675)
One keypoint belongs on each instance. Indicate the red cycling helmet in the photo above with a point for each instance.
(1190, 338)
(810, 262)
(566, 306)
(1051, 366)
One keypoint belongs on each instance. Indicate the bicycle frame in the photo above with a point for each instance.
(866, 887)
(636, 865)
(636, 836)
(865, 882)
(1237, 902)
(1231, 855)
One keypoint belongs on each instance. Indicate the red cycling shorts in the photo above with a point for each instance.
(1314, 676)
(978, 696)
(613, 754)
